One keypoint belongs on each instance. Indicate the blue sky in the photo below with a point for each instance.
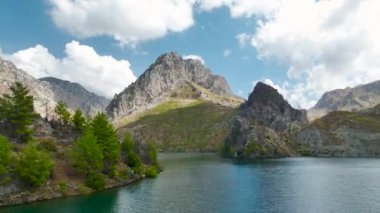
(284, 46)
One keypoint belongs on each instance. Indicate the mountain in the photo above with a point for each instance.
(48, 91)
(264, 126)
(179, 104)
(76, 96)
(44, 95)
(343, 133)
(349, 99)
(170, 76)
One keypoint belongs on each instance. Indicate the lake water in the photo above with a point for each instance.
(207, 183)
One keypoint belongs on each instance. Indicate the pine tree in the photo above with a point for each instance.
(87, 159)
(33, 166)
(79, 120)
(106, 137)
(86, 154)
(16, 110)
(63, 113)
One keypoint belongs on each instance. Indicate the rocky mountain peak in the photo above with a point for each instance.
(169, 72)
(269, 108)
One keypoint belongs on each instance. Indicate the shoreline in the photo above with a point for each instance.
(53, 192)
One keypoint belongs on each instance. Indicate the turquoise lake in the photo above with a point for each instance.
(208, 183)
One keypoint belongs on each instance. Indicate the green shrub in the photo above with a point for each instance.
(47, 144)
(152, 154)
(151, 172)
(33, 166)
(5, 155)
(134, 162)
(62, 187)
(95, 181)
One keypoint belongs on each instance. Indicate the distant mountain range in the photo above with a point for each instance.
(48, 91)
(76, 96)
(349, 99)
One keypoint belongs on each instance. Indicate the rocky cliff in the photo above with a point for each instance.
(264, 126)
(76, 96)
(167, 75)
(349, 99)
(342, 133)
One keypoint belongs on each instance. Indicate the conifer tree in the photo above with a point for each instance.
(79, 120)
(63, 113)
(17, 111)
(33, 166)
(106, 137)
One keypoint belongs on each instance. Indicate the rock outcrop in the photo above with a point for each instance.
(349, 99)
(264, 126)
(76, 96)
(169, 73)
(342, 133)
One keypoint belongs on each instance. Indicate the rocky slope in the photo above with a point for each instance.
(48, 91)
(342, 133)
(264, 126)
(162, 79)
(349, 99)
(76, 96)
(42, 91)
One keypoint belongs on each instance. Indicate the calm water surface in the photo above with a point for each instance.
(207, 183)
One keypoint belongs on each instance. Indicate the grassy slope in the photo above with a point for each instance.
(363, 121)
(197, 125)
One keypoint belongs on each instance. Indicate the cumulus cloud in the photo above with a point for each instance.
(194, 57)
(243, 8)
(127, 21)
(323, 45)
(103, 75)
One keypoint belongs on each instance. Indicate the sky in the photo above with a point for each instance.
(303, 48)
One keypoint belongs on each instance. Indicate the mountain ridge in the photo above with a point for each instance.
(169, 73)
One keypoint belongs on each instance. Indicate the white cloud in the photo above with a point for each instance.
(243, 39)
(127, 21)
(323, 45)
(245, 8)
(194, 57)
(103, 75)
(226, 53)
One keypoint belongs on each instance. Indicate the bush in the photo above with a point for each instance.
(152, 154)
(151, 172)
(47, 144)
(95, 181)
(134, 162)
(62, 187)
(5, 155)
(33, 166)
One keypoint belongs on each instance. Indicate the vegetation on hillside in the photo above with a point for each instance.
(79, 151)
(177, 127)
